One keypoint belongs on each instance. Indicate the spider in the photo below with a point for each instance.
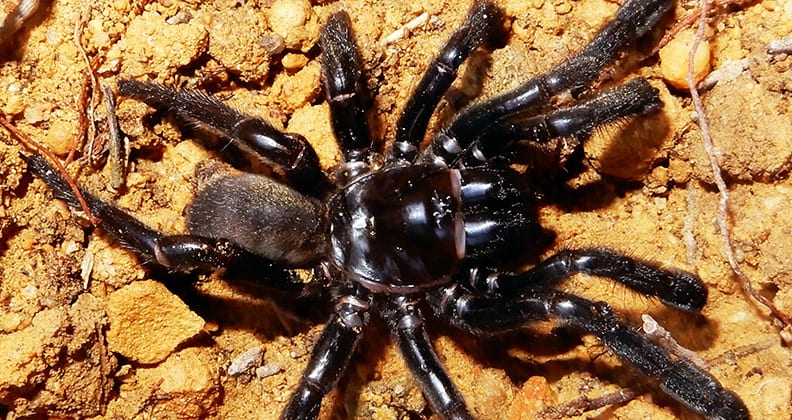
(416, 230)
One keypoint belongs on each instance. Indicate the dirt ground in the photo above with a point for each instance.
(85, 333)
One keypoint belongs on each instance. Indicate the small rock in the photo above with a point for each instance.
(752, 145)
(293, 62)
(245, 361)
(534, 397)
(313, 122)
(184, 386)
(268, 370)
(295, 22)
(301, 89)
(780, 46)
(728, 71)
(235, 36)
(25, 352)
(147, 322)
(60, 135)
(151, 47)
(675, 59)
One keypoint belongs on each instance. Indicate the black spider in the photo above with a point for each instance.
(418, 229)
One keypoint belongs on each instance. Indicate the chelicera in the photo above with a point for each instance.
(417, 229)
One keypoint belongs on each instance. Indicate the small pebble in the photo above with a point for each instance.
(29, 291)
(60, 135)
(37, 112)
(780, 46)
(268, 370)
(86, 268)
(13, 105)
(786, 336)
(675, 59)
(288, 19)
(294, 62)
(562, 8)
(272, 43)
(729, 71)
(245, 361)
(123, 370)
(181, 17)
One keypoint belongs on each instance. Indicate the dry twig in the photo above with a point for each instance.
(723, 206)
(117, 150)
(14, 21)
(85, 105)
(584, 404)
(687, 22)
(31, 144)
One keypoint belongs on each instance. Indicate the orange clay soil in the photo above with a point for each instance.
(86, 333)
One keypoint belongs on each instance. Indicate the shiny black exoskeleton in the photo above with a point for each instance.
(417, 229)
(406, 228)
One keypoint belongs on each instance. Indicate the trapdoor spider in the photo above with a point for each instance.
(420, 229)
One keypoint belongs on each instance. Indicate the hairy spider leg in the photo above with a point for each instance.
(482, 21)
(677, 377)
(675, 288)
(183, 253)
(289, 153)
(633, 19)
(633, 98)
(342, 77)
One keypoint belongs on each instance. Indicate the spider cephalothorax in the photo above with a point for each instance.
(417, 229)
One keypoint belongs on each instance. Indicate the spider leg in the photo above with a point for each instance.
(329, 359)
(344, 87)
(675, 288)
(182, 253)
(483, 19)
(635, 97)
(499, 211)
(633, 19)
(291, 153)
(677, 377)
(406, 324)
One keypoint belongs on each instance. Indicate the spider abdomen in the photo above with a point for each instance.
(400, 228)
(261, 215)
